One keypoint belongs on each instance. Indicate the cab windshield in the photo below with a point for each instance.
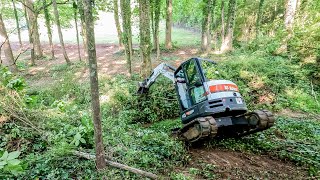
(210, 70)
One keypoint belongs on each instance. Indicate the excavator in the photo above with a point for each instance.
(210, 106)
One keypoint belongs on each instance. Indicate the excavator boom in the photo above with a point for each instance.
(164, 69)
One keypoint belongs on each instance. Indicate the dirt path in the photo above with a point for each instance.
(227, 164)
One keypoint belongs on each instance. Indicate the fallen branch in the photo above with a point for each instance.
(117, 165)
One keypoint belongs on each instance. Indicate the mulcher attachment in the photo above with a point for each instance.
(207, 127)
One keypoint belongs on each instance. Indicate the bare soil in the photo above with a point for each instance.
(228, 164)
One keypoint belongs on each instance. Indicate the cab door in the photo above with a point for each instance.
(195, 90)
(195, 86)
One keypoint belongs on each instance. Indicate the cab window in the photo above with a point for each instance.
(192, 73)
(193, 76)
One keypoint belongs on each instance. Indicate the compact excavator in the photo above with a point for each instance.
(210, 106)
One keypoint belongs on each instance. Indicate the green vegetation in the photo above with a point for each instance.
(270, 49)
(60, 113)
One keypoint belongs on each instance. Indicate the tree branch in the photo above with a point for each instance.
(117, 165)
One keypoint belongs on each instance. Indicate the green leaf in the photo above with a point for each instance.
(14, 162)
(4, 156)
(2, 163)
(1, 167)
(13, 155)
(77, 136)
(82, 140)
(77, 143)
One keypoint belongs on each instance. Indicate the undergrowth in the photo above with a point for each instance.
(136, 129)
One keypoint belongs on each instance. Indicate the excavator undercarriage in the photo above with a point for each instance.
(208, 127)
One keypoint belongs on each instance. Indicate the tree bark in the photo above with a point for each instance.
(5, 43)
(33, 21)
(222, 22)
(56, 16)
(17, 22)
(117, 22)
(32, 54)
(259, 14)
(168, 43)
(118, 165)
(145, 44)
(157, 9)
(75, 15)
(100, 162)
(83, 27)
(127, 32)
(291, 7)
(227, 44)
(206, 21)
(48, 25)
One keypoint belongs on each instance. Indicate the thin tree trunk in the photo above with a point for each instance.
(83, 28)
(100, 162)
(37, 43)
(56, 15)
(168, 43)
(33, 16)
(32, 54)
(75, 8)
(206, 25)
(117, 22)
(212, 39)
(156, 27)
(259, 14)
(127, 33)
(212, 26)
(291, 6)
(145, 44)
(48, 25)
(222, 22)
(4, 40)
(17, 22)
(227, 45)
(152, 12)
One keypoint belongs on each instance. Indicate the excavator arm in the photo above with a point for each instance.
(164, 69)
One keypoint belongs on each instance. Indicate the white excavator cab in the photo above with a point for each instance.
(210, 106)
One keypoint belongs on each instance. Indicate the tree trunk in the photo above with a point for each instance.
(168, 43)
(152, 11)
(212, 38)
(83, 27)
(291, 7)
(157, 9)
(32, 54)
(56, 16)
(75, 9)
(100, 162)
(259, 15)
(48, 25)
(127, 33)
(227, 45)
(117, 22)
(5, 43)
(222, 22)
(17, 22)
(145, 44)
(289, 15)
(33, 21)
(206, 21)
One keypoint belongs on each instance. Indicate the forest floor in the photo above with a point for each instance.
(213, 162)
